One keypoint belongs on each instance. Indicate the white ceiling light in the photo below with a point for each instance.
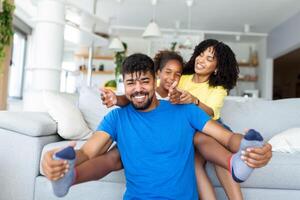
(152, 30)
(116, 44)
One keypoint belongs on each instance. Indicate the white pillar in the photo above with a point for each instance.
(48, 45)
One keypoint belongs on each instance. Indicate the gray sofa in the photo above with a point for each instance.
(25, 134)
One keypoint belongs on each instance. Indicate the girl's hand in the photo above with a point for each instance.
(174, 94)
(108, 97)
(187, 98)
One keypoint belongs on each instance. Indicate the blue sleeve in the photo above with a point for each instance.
(109, 124)
(197, 117)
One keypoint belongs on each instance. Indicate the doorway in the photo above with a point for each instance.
(287, 76)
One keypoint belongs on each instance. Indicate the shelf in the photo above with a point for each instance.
(95, 57)
(246, 64)
(248, 79)
(105, 72)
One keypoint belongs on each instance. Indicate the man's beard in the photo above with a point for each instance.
(145, 105)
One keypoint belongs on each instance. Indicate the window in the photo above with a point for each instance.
(16, 71)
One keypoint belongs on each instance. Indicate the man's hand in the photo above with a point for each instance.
(108, 97)
(54, 169)
(258, 157)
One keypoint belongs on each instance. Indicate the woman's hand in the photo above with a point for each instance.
(187, 98)
(177, 96)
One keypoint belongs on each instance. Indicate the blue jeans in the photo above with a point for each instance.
(224, 125)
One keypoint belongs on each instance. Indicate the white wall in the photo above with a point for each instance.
(284, 38)
(265, 71)
(137, 45)
(151, 47)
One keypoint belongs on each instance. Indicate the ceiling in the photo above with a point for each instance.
(207, 15)
(215, 15)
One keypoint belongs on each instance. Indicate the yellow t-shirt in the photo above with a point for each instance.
(210, 96)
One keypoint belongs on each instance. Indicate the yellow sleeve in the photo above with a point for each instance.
(216, 100)
(183, 82)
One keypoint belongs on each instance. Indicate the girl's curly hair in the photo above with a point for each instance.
(162, 57)
(227, 66)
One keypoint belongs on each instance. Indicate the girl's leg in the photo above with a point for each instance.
(232, 188)
(211, 150)
(214, 152)
(205, 188)
(98, 167)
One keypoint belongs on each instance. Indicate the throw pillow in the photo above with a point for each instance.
(91, 107)
(287, 141)
(70, 123)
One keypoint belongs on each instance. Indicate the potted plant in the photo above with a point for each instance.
(6, 31)
(119, 58)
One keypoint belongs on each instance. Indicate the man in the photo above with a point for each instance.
(155, 140)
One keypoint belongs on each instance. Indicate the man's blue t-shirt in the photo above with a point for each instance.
(156, 149)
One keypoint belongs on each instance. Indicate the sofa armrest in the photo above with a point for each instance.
(34, 124)
(20, 160)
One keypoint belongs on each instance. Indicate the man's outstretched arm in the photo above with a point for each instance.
(255, 157)
(239, 164)
(95, 145)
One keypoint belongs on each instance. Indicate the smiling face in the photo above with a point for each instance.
(206, 62)
(169, 73)
(140, 89)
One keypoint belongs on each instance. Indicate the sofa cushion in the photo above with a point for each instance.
(93, 190)
(282, 173)
(28, 123)
(268, 117)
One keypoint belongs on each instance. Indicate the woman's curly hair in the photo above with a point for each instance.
(162, 57)
(227, 66)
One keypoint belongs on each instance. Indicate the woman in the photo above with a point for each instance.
(208, 76)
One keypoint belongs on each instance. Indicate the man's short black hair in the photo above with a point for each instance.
(138, 63)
